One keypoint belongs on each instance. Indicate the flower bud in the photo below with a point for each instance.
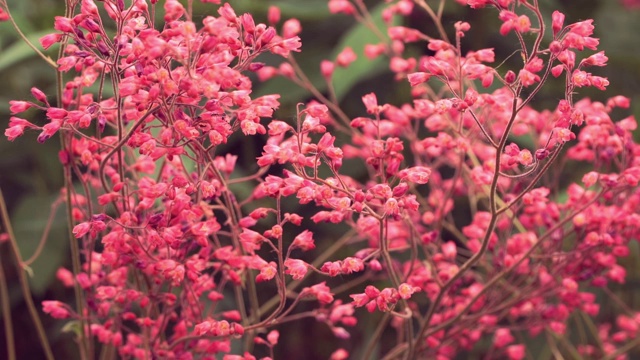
(510, 77)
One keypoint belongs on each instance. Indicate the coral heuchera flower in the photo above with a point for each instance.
(453, 202)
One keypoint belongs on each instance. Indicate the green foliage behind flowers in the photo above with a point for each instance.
(341, 179)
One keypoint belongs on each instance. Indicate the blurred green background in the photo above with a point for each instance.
(30, 175)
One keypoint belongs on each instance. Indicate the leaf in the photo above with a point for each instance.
(20, 51)
(29, 220)
(73, 327)
(343, 79)
(312, 9)
(363, 68)
(291, 93)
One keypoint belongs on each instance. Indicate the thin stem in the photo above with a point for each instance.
(368, 21)
(306, 83)
(6, 315)
(85, 342)
(24, 282)
(395, 279)
(382, 325)
(592, 329)
(317, 262)
(514, 266)
(24, 38)
(75, 261)
(45, 235)
(622, 350)
(493, 197)
(121, 143)
(553, 346)
(436, 19)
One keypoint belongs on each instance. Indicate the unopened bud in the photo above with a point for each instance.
(510, 77)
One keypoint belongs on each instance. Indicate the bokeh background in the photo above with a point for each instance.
(30, 175)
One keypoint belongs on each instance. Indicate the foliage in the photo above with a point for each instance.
(224, 180)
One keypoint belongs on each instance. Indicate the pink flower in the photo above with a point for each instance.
(217, 328)
(502, 338)
(64, 24)
(39, 95)
(528, 78)
(341, 6)
(340, 354)
(477, 4)
(267, 272)
(273, 336)
(291, 28)
(332, 268)
(416, 174)
(14, 132)
(405, 290)
(351, 265)
(19, 106)
(371, 103)
(617, 273)
(81, 229)
(321, 292)
(48, 40)
(590, 178)
(516, 352)
(251, 240)
(304, 241)
(391, 207)
(418, 78)
(273, 15)
(326, 68)
(65, 276)
(56, 309)
(296, 268)
(557, 22)
(346, 57)
(449, 250)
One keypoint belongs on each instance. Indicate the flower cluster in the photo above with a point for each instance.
(174, 261)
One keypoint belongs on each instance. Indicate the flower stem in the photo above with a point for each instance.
(24, 282)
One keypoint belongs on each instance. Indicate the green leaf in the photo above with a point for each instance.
(72, 327)
(311, 10)
(363, 68)
(309, 61)
(19, 50)
(29, 220)
(343, 79)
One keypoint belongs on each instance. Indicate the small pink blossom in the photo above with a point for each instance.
(303, 241)
(341, 6)
(296, 268)
(405, 290)
(346, 57)
(267, 272)
(56, 309)
(321, 292)
(557, 21)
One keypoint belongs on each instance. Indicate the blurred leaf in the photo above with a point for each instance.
(312, 9)
(363, 68)
(73, 327)
(343, 79)
(290, 92)
(29, 219)
(20, 51)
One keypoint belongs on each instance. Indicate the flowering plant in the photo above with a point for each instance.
(172, 257)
